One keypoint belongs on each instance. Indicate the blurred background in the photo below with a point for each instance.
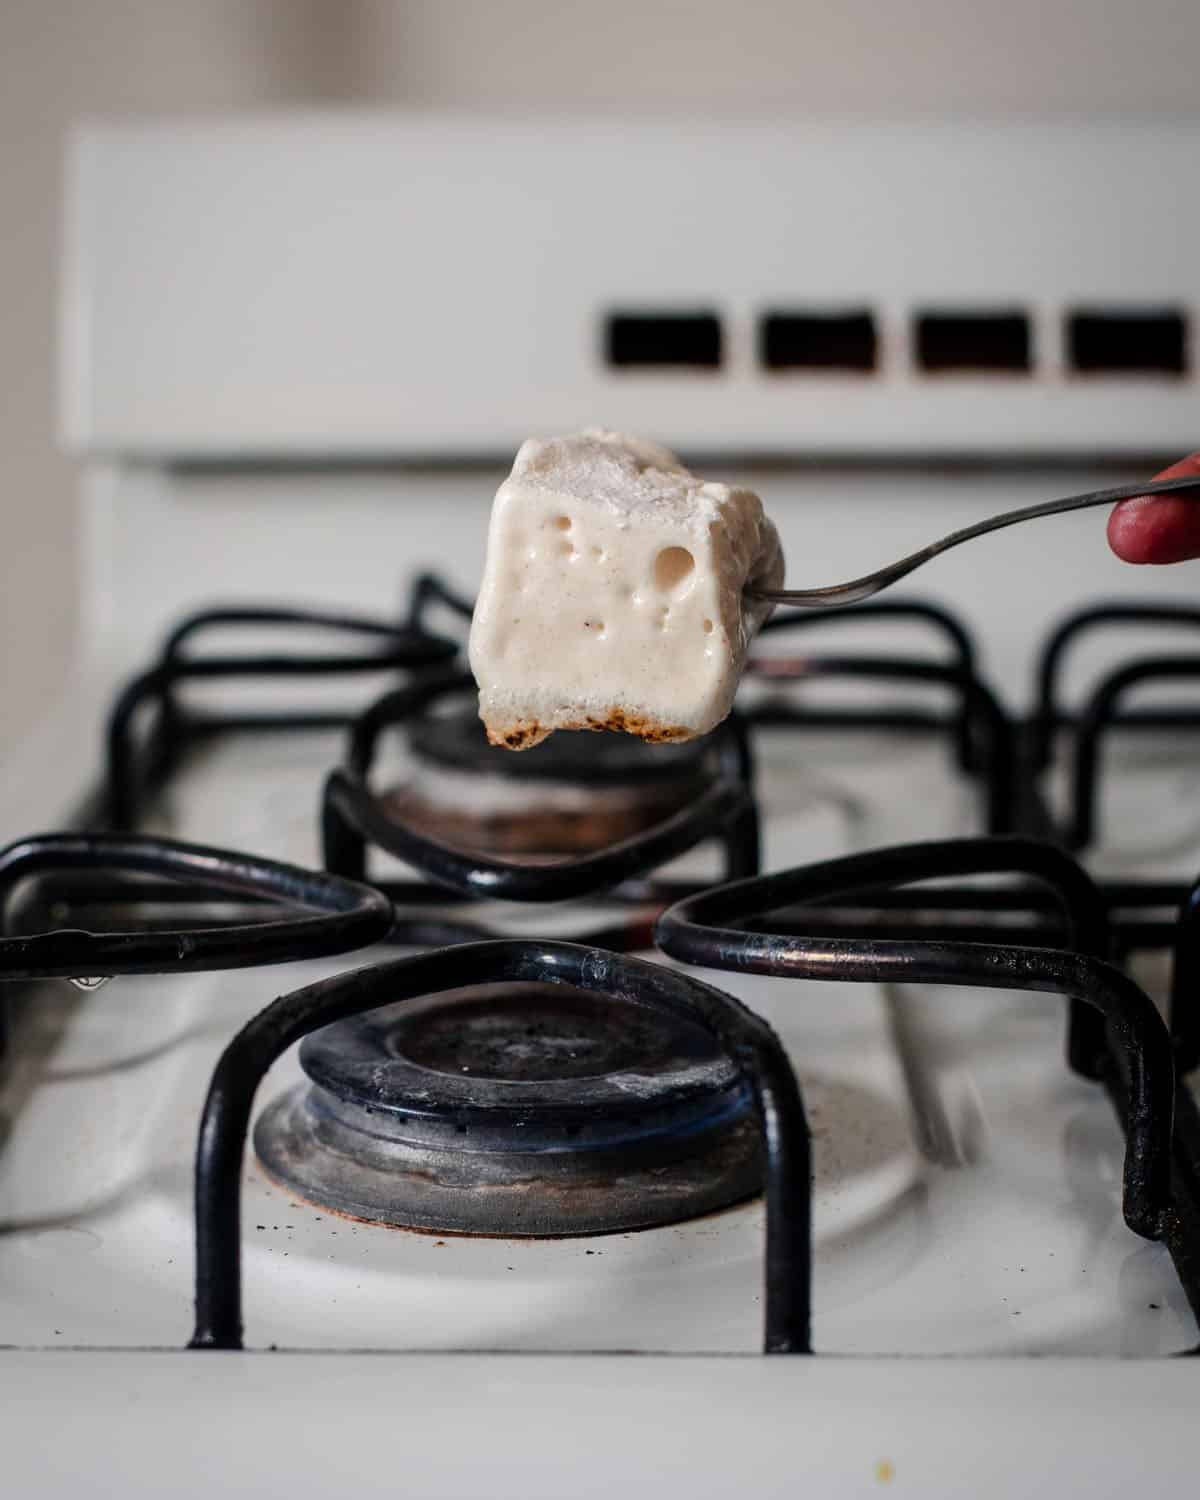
(61, 60)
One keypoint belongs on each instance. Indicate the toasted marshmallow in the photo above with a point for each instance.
(614, 593)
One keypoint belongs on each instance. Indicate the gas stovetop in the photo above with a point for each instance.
(959, 1160)
(476, 1169)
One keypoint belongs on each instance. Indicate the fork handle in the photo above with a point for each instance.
(857, 589)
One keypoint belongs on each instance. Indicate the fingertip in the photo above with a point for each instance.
(1155, 529)
(1127, 530)
(1158, 529)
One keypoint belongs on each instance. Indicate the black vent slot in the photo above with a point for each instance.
(972, 341)
(1128, 341)
(818, 341)
(664, 340)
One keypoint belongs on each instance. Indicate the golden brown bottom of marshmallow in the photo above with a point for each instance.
(523, 734)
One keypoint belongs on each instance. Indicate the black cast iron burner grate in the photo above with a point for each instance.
(1128, 1046)
(355, 817)
(310, 914)
(104, 900)
(326, 914)
(1104, 709)
(962, 657)
(981, 731)
(750, 1044)
(428, 590)
(136, 767)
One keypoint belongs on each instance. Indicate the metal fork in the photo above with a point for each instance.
(858, 589)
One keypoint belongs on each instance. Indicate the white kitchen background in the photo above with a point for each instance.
(65, 59)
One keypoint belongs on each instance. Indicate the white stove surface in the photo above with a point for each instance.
(531, 1426)
(1004, 1239)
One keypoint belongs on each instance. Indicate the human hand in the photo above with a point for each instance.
(1158, 528)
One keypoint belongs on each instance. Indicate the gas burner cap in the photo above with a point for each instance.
(515, 1109)
(456, 741)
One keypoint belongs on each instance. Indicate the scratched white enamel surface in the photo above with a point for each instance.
(1018, 1249)
(1011, 1242)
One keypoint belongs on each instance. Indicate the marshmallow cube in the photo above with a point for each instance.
(614, 593)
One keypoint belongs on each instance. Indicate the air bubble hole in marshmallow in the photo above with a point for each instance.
(672, 567)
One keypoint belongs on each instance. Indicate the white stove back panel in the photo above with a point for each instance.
(390, 285)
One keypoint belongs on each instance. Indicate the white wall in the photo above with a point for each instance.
(873, 57)
(60, 59)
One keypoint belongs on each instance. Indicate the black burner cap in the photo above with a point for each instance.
(515, 1109)
(543, 1060)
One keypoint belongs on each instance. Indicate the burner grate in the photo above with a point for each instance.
(329, 914)
(326, 914)
(430, 589)
(982, 732)
(133, 768)
(1104, 709)
(1127, 1046)
(1050, 714)
(747, 1040)
(946, 626)
(354, 817)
